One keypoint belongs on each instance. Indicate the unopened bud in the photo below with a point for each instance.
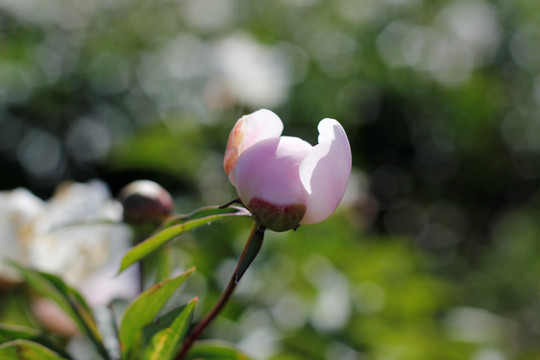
(145, 201)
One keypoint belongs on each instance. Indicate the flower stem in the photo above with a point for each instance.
(251, 250)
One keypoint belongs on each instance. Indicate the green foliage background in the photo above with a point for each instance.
(436, 253)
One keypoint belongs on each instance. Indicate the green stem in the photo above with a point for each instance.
(251, 249)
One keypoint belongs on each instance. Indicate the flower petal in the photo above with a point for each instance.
(269, 170)
(18, 209)
(325, 171)
(248, 130)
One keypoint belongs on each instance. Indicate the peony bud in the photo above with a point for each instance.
(145, 201)
(284, 181)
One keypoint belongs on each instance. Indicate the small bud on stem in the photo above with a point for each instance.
(145, 201)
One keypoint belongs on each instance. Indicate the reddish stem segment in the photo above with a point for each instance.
(203, 324)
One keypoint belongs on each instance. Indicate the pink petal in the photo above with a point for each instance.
(325, 171)
(249, 130)
(269, 170)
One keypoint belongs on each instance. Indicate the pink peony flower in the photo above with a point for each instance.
(283, 180)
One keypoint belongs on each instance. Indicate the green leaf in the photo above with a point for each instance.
(176, 226)
(164, 336)
(143, 310)
(69, 300)
(69, 292)
(255, 243)
(16, 332)
(204, 212)
(26, 350)
(215, 350)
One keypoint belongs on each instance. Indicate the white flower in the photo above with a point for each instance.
(52, 237)
(18, 208)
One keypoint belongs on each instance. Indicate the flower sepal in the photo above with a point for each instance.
(276, 217)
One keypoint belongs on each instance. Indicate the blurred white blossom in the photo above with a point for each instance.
(475, 325)
(52, 236)
(253, 74)
(332, 308)
(18, 208)
(463, 36)
(210, 15)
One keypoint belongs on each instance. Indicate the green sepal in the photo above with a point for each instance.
(255, 244)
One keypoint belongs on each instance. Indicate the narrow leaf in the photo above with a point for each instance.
(166, 334)
(203, 212)
(143, 310)
(69, 300)
(175, 227)
(215, 350)
(16, 332)
(26, 350)
(68, 291)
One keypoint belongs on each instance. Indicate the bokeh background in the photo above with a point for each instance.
(435, 251)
